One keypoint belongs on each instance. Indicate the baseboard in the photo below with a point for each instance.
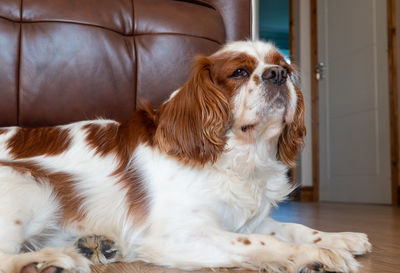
(307, 194)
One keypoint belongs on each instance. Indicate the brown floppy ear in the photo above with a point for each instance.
(291, 139)
(192, 125)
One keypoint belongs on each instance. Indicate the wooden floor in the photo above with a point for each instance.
(381, 223)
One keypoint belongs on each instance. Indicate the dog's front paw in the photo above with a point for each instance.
(47, 260)
(314, 259)
(98, 249)
(35, 268)
(338, 261)
(355, 243)
(313, 268)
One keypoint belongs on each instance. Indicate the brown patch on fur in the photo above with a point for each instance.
(29, 142)
(274, 57)
(18, 222)
(291, 139)
(102, 137)
(315, 232)
(317, 240)
(262, 243)
(193, 124)
(246, 241)
(273, 234)
(3, 131)
(136, 195)
(63, 185)
(256, 79)
(122, 139)
(227, 63)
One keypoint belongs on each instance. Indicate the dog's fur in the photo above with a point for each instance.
(188, 185)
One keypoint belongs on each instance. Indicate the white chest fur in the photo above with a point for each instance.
(188, 196)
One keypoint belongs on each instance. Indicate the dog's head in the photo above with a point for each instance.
(244, 90)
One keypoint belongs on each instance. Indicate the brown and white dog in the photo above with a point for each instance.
(188, 185)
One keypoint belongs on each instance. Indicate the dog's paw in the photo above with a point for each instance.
(98, 249)
(338, 261)
(33, 268)
(314, 259)
(47, 260)
(313, 268)
(355, 243)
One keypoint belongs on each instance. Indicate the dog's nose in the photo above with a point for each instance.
(275, 75)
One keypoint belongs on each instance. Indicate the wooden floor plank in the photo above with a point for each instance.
(381, 223)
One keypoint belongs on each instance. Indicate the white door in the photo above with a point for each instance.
(354, 101)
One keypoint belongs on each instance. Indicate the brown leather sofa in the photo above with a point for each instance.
(69, 60)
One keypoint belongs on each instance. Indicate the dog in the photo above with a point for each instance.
(188, 185)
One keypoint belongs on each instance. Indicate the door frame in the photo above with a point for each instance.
(292, 54)
(393, 97)
(314, 101)
(393, 103)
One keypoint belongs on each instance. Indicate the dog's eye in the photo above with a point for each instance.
(240, 73)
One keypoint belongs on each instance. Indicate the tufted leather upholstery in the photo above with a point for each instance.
(69, 60)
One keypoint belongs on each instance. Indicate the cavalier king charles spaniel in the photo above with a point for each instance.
(188, 185)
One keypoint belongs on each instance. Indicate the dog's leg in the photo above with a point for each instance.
(217, 248)
(12, 209)
(29, 208)
(355, 243)
(60, 260)
(11, 235)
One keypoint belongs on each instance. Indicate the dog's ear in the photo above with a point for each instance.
(192, 124)
(292, 138)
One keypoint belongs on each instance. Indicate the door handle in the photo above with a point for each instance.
(319, 71)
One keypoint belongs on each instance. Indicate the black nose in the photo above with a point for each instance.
(275, 75)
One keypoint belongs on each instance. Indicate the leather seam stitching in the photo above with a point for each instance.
(112, 30)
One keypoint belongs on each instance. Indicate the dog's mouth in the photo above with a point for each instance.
(277, 96)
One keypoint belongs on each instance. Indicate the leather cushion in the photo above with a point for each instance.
(70, 60)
